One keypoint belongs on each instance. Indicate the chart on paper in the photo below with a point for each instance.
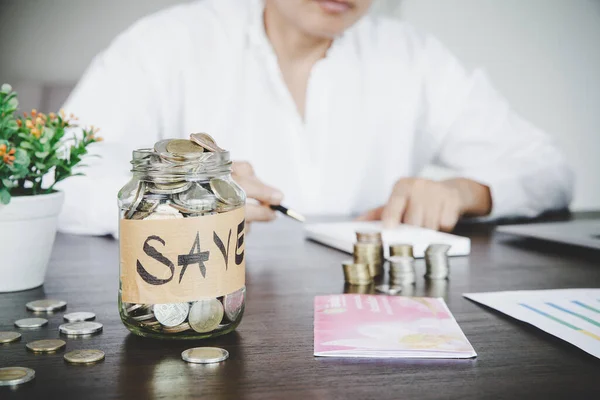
(570, 314)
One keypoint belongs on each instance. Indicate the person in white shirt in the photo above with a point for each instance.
(329, 105)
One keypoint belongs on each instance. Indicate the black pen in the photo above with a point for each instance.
(290, 213)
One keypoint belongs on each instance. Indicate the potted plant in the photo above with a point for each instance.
(35, 154)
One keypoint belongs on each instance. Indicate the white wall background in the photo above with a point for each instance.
(543, 55)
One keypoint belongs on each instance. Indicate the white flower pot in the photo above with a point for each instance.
(27, 231)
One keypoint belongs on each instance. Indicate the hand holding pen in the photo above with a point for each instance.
(268, 199)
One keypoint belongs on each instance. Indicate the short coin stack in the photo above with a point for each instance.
(436, 261)
(356, 273)
(402, 270)
(369, 250)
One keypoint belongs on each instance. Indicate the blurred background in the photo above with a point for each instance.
(543, 55)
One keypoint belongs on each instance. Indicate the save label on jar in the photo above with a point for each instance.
(181, 260)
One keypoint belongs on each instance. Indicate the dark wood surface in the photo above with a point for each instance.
(271, 352)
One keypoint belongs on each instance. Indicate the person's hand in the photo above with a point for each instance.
(432, 204)
(243, 174)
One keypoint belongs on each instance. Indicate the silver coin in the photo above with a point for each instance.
(9, 337)
(46, 305)
(143, 317)
(388, 289)
(205, 315)
(139, 196)
(129, 307)
(169, 188)
(171, 314)
(225, 191)
(30, 323)
(79, 316)
(164, 211)
(233, 304)
(196, 198)
(437, 248)
(205, 355)
(80, 328)
(12, 376)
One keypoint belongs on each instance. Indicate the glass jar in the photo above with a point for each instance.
(181, 227)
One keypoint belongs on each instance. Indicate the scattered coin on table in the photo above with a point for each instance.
(79, 316)
(46, 345)
(47, 305)
(9, 337)
(31, 323)
(85, 356)
(80, 328)
(389, 289)
(204, 355)
(12, 376)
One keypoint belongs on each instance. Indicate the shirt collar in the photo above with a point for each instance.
(257, 36)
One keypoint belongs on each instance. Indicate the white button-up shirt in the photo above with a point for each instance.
(382, 104)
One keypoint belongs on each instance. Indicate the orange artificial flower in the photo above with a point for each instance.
(52, 116)
(19, 123)
(36, 132)
(29, 124)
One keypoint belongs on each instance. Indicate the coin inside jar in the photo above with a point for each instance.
(206, 141)
(9, 337)
(46, 345)
(84, 356)
(47, 305)
(182, 147)
(79, 316)
(225, 191)
(80, 328)
(205, 315)
(205, 355)
(233, 304)
(171, 314)
(31, 323)
(12, 376)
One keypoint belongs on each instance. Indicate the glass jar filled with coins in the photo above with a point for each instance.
(181, 228)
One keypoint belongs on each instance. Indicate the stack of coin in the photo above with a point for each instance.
(402, 250)
(402, 270)
(369, 250)
(436, 261)
(357, 273)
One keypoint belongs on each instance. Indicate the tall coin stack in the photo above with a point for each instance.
(402, 264)
(369, 250)
(436, 261)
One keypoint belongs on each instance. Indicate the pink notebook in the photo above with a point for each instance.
(377, 326)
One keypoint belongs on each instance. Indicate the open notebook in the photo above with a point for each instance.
(377, 326)
(342, 236)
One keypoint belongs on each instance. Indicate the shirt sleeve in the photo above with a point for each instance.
(118, 94)
(473, 131)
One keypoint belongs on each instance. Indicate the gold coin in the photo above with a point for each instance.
(84, 356)
(12, 376)
(46, 345)
(206, 141)
(183, 147)
(402, 250)
(9, 337)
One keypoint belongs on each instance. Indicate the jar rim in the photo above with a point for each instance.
(164, 167)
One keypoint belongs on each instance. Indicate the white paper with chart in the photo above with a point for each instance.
(570, 314)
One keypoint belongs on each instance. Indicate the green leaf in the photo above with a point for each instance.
(27, 146)
(40, 154)
(4, 196)
(7, 183)
(40, 165)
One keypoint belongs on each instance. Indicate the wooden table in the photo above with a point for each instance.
(271, 353)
